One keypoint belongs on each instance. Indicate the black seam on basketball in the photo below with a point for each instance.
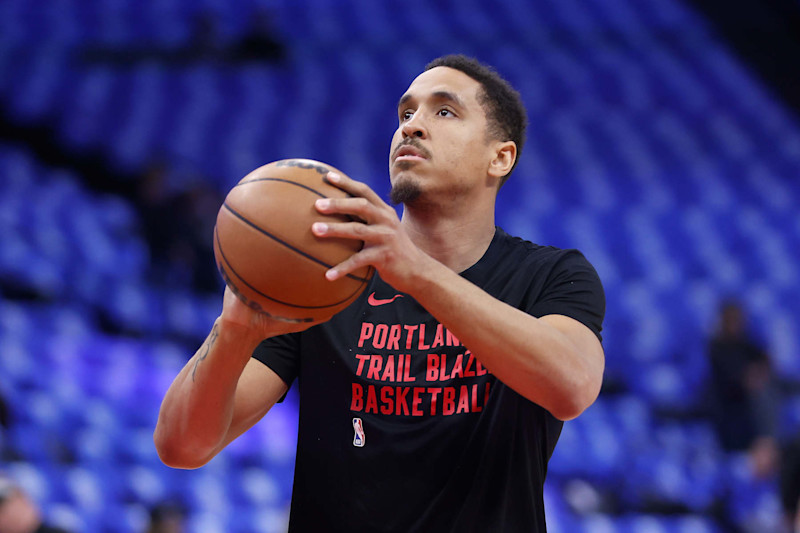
(233, 271)
(286, 244)
(247, 301)
(306, 187)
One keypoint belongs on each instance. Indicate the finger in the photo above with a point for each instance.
(353, 187)
(359, 208)
(355, 262)
(350, 230)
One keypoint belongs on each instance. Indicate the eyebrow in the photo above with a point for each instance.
(438, 95)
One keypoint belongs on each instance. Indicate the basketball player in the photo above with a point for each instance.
(433, 403)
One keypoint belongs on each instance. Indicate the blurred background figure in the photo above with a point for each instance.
(178, 225)
(5, 413)
(261, 42)
(6, 420)
(167, 518)
(790, 484)
(18, 513)
(743, 395)
(207, 43)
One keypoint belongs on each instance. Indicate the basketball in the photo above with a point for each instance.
(266, 252)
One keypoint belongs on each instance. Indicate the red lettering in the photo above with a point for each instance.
(406, 377)
(463, 400)
(432, 372)
(357, 398)
(366, 332)
(372, 400)
(391, 400)
(422, 345)
(400, 362)
(443, 375)
(481, 370)
(471, 359)
(375, 364)
(438, 339)
(416, 401)
(452, 340)
(394, 338)
(400, 400)
(458, 370)
(475, 407)
(388, 370)
(434, 392)
(386, 400)
(381, 331)
(449, 401)
(410, 335)
(361, 360)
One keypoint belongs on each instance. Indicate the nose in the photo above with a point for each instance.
(414, 127)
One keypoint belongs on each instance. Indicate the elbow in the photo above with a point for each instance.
(177, 454)
(567, 410)
(578, 397)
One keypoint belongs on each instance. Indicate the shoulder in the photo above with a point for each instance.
(519, 249)
(554, 281)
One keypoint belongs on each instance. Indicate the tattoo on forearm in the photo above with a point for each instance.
(206, 347)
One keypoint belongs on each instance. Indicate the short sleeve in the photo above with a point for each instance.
(573, 289)
(282, 355)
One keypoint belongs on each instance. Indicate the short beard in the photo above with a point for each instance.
(404, 192)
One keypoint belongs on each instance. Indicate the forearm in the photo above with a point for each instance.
(198, 408)
(530, 355)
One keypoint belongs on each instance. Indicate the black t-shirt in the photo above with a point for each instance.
(402, 429)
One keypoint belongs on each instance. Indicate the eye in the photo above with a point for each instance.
(445, 112)
(406, 115)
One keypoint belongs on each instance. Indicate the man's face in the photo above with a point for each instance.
(440, 148)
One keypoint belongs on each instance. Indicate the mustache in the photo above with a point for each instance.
(411, 141)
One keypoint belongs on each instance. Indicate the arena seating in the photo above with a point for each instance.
(651, 148)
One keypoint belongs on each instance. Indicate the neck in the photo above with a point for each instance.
(457, 240)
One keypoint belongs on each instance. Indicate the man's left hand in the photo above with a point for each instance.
(387, 246)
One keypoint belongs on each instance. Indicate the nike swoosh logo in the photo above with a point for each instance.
(375, 301)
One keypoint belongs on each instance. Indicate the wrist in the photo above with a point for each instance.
(231, 333)
(424, 280)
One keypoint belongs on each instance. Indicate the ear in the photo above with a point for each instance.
(505, 153)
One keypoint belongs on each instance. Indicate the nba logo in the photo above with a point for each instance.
(359, 437)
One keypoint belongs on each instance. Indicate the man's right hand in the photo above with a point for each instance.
(236, 315)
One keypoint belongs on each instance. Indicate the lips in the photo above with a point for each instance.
(409, 152)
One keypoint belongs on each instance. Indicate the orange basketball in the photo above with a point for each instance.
(265, 249)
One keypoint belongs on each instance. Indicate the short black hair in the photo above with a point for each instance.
(502, 103)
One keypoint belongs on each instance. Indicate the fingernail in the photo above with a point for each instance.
(324, 203)
(319, 227)
(333, 176)
(331, 275)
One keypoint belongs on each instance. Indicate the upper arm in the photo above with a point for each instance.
(584, 339)
(589, 349)
(258, 389)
